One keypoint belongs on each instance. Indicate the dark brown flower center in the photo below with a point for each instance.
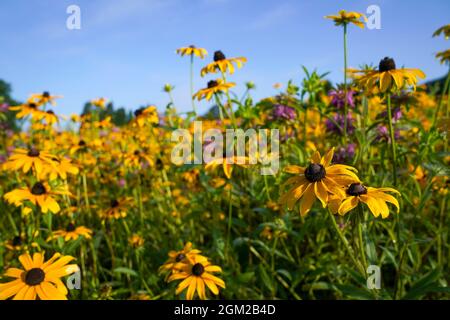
(137, 152)
(192, 46)
(32, 105)
(50, 112)
(198, 269)
(212, 83)
(138, 112)
(218, 55)
(386, 64)
(180, 257)
(46, 94)
(82, 143)
(17, 241)
(356, 189)
(70, 227)
(33, 152)
(315, 172)
(38, 189)
(114, 203)
(34, 276)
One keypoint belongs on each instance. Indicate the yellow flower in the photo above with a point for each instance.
(316, 181)
(191, 51)
(72, 233)
(445, 30)
(49, 116)
(344, 18)
(118, 208)
(60, 168)
(178, 258)
(136, 241)
(99, 102)
(29, 108)
(227, 163)
(29, 159)
(43, 98)
(388, 78)
(40, 279)
(41, 194)
(222, 64)
(214, 86)
(146, 115)
(196, 275)
(374, 198)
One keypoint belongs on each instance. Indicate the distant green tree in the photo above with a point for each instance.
(5, 97)
(119, 116)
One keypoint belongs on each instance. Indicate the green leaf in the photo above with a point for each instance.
(127, 271)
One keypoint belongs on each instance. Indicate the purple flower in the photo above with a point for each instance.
(281, 112)
(383, 134)
(338, 98)
(121, 182)
(344, 154)
(396, 114)
(340, 120)
(4, 107)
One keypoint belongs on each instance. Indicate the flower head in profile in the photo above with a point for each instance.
(40, 194)
(223, 64)
(214, 87)
(44, 98)
(196, 276)
(347, 17)
(192, 51)
(99, 103)
(445, 30)
(443, 56)
(388, 78)
(136, 241)
(25, 109)
(61, 167)
(317, 181)
(38, 279)
(374, 198)
(72, 232)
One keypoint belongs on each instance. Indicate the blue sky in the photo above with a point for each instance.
(125, 50)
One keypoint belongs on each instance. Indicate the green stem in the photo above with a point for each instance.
(192, 85)
(347, 246)
(345, 82)
(393, 144)
(441, 101)
(361, 225)
(230, 217)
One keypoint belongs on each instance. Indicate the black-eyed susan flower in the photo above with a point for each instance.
(44, 98)
(99, 102)
(61, 167)
(178, 258)
(192, 51)
(117, 209)
(25, 109)
(25, 160)
(146, 115)
(49, 117)
(136, 241)
(344, 18)
(223, 64)
(388, 77)
(72, 232)
(374, 198)
(214, 86)
(39, 279)
(40, 194)
(317, 181)
(16, 244)
(196, 275)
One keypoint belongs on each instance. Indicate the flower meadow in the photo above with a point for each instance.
(91, 208)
